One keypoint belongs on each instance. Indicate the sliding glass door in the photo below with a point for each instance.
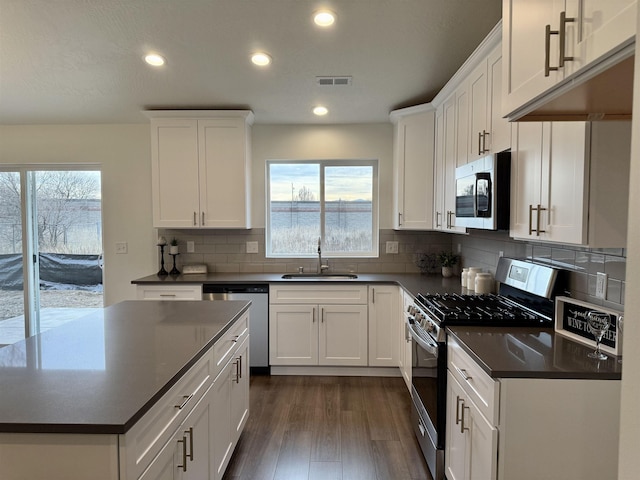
(50, 249)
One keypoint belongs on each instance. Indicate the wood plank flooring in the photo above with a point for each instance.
(328, 428)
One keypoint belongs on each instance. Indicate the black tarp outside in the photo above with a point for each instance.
(57, 271)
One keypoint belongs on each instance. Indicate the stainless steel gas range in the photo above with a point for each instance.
(526, 298)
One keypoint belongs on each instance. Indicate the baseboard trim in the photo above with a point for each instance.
(337, 371)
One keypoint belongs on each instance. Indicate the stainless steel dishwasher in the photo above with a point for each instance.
(258, 294)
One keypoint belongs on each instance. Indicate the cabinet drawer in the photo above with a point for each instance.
(224, 348)
(146, 438)
(177, 292)
(334, 294)
(481, 388)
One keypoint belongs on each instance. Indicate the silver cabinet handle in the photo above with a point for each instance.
(373, 295)
(168, 295)
(438, 223)
(462, 427)
(399, 219)
(563, 38)
(463, 373)
(240, 369)
(184, 454)
(484, 142)
(547, 50)
(322, 315)
(458, 401)
(237, 364)
(190, 433)
(538, 231)
(530, 219)
(195, 219)
(186, 399)
(313, 315)
(202, 219)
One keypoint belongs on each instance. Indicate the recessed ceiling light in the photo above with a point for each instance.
(154, 59)
(324, 18)
(261, 59)
(320, 110)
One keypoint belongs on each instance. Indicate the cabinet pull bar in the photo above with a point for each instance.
(547, 49)
(484, 141)
(539, 208)
(240, 366)
(480, 143)
(399, 219)
(322, 315)
(530, 219)
(463, 373)
(563, 38)
(184, 454)
(462, 427)
(190, 433)
(438, 215)
(195, 219)
(237, 364)
(313, 315)
(186, 399)
(373, 295)
(203, 219)
(167, 294)
(458, 401)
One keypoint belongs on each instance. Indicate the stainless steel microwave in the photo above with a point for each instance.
(483, 191)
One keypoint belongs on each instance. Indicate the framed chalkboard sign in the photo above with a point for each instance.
(571, 321)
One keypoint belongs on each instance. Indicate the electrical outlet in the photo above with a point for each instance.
(252, 247)
(191, 246)
(601, 285)
(500, 253)
(121, 248)
(392, 247)
(459, 248)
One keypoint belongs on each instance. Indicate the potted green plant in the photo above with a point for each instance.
(447, 261)
(173, 246)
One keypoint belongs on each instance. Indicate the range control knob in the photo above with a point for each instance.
(430, 327)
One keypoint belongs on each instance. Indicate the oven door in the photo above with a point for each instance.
(428, 392)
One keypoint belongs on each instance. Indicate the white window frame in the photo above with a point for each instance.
(373, 163)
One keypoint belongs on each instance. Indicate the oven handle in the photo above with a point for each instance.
(431, 347)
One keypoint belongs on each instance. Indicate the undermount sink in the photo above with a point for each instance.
(323, 276)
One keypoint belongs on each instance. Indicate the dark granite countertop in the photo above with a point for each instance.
(413, 283)
(516, 352)
(101, 373)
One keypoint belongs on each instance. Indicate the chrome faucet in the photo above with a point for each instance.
(321, 267)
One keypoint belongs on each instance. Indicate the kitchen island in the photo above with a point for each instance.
(103, 396)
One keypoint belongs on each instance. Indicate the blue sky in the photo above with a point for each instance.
(346, 183)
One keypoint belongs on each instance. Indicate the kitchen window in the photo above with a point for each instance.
(331, 201)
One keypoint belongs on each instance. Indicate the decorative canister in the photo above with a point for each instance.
(463, 277)
(484, 283)
(471, 277)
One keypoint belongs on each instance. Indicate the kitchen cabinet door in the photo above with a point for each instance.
(342, 336)
(592, 34)
(438, 172)
(413, 169)
(240, 390)
(568, 182)
(462, 123)
(168, 465)
(383, 325)
(225, 173)
(499, 128)
(293, 335)
(456, 457)
(450, 164)
(222, 444)
(174, 172)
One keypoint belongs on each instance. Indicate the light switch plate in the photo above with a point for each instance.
(601, 285)
(392, 247)
(252, 247)
(191, 246)
(121, 248)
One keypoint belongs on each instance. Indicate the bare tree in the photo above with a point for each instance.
(305, 195)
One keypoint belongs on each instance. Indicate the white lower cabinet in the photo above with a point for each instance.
(472, 442)
(333, 325)
(383, 331)
(528, 428)
(169, 292)
(318, 334)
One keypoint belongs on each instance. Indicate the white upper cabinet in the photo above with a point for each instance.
(570, 182)
(414, 139)
(201, 172)
(551, 46)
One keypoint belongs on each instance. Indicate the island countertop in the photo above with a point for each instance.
(101, 373)
(517, 352)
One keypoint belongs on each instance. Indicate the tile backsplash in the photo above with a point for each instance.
(226, 251)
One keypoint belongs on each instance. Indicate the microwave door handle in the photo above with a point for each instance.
(485, 178)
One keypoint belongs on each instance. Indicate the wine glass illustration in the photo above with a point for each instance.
(598, 323)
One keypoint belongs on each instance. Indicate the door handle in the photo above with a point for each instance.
(563, 39)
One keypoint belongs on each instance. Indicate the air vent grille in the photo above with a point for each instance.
(334, 81)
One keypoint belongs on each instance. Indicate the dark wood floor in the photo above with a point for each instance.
(328, 428)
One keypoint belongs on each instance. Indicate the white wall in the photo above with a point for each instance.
(300, 142)
(123, 153)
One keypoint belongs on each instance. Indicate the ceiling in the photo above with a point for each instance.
(80, 61)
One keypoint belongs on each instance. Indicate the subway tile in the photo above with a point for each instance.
(596, 263)
(615, 267)
(614, 291)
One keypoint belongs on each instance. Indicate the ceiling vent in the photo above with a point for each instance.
(333, 81)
